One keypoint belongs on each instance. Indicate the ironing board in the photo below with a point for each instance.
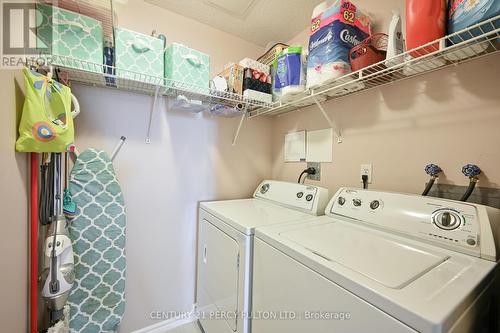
(97, 300)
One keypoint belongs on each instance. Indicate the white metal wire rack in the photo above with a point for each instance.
(477, 41)
(99, 75)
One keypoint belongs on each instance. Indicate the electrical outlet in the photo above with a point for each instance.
(366, 169)
(317, 166)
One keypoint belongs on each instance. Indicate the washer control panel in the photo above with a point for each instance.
(451, 223)
(307, 198)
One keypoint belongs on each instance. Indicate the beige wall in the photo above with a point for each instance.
(190, 159)
(221, 46)
(450, 117)
(14, 209)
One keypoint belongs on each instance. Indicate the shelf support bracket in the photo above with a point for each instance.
(337, 131)
(151, 114)
(240, 125)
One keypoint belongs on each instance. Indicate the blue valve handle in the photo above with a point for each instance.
(432, 170)
(471, 170)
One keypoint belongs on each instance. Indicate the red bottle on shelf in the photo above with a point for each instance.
(425, 22)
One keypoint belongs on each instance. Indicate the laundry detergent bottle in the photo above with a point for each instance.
(425, 22)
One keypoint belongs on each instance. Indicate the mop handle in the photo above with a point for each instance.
(66, 169)
(118, 147)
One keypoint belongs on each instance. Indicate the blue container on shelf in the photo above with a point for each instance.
(138, 57)
(463, 14)
(466, 13)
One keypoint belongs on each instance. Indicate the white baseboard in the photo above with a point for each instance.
(164, 326)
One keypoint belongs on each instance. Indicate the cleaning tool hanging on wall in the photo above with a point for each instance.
(46, 122)
(58, 273)
(97, 300)
(69, 206)
(34, 232)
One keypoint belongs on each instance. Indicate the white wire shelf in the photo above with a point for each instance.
(477, 41)
(83, 72)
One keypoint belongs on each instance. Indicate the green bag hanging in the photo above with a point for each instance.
(46, 123)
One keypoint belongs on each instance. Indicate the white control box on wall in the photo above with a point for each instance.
(295, 147)
(309, 146)
(319, 146)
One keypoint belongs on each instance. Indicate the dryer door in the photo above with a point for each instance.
(218, 275)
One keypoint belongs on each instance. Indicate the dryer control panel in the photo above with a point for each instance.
(306, 198)
(466, 227)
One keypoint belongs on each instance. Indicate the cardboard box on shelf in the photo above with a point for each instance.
(234, 77)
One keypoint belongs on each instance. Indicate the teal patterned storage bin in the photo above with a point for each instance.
(187, 67)
(138, 57)
(76, 40)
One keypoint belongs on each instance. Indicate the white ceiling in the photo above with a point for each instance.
(257, 21)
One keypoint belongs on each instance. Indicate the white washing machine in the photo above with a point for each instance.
(225, 245)
(379, 262)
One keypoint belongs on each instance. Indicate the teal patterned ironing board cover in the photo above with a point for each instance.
(97, 300)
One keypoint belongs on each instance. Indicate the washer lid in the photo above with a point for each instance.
(247, 214)
(384, 260)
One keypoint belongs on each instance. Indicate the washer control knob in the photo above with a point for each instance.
(374, 204)
(300, 194)
(264, 188)
(356, 202)
(341, 201)
(309, 197)
(447, 219)
(471, 241)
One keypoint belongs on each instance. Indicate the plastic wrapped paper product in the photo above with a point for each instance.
(184, 104)
(334, 32)
(290, 77)
(466, 13)
(221, 110)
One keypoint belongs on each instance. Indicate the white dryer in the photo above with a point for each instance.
(225, 248)
(379, 262)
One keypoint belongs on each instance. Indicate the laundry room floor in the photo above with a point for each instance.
(187, 328)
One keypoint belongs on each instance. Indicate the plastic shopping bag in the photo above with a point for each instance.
(46, 122)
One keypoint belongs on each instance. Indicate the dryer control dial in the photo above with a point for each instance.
(447, 219)
(264, 188)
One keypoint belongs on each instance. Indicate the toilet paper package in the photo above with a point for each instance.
(290, 77)
(334, 32)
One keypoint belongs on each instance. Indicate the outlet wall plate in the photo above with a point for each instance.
(317, 166)
(366, 169)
